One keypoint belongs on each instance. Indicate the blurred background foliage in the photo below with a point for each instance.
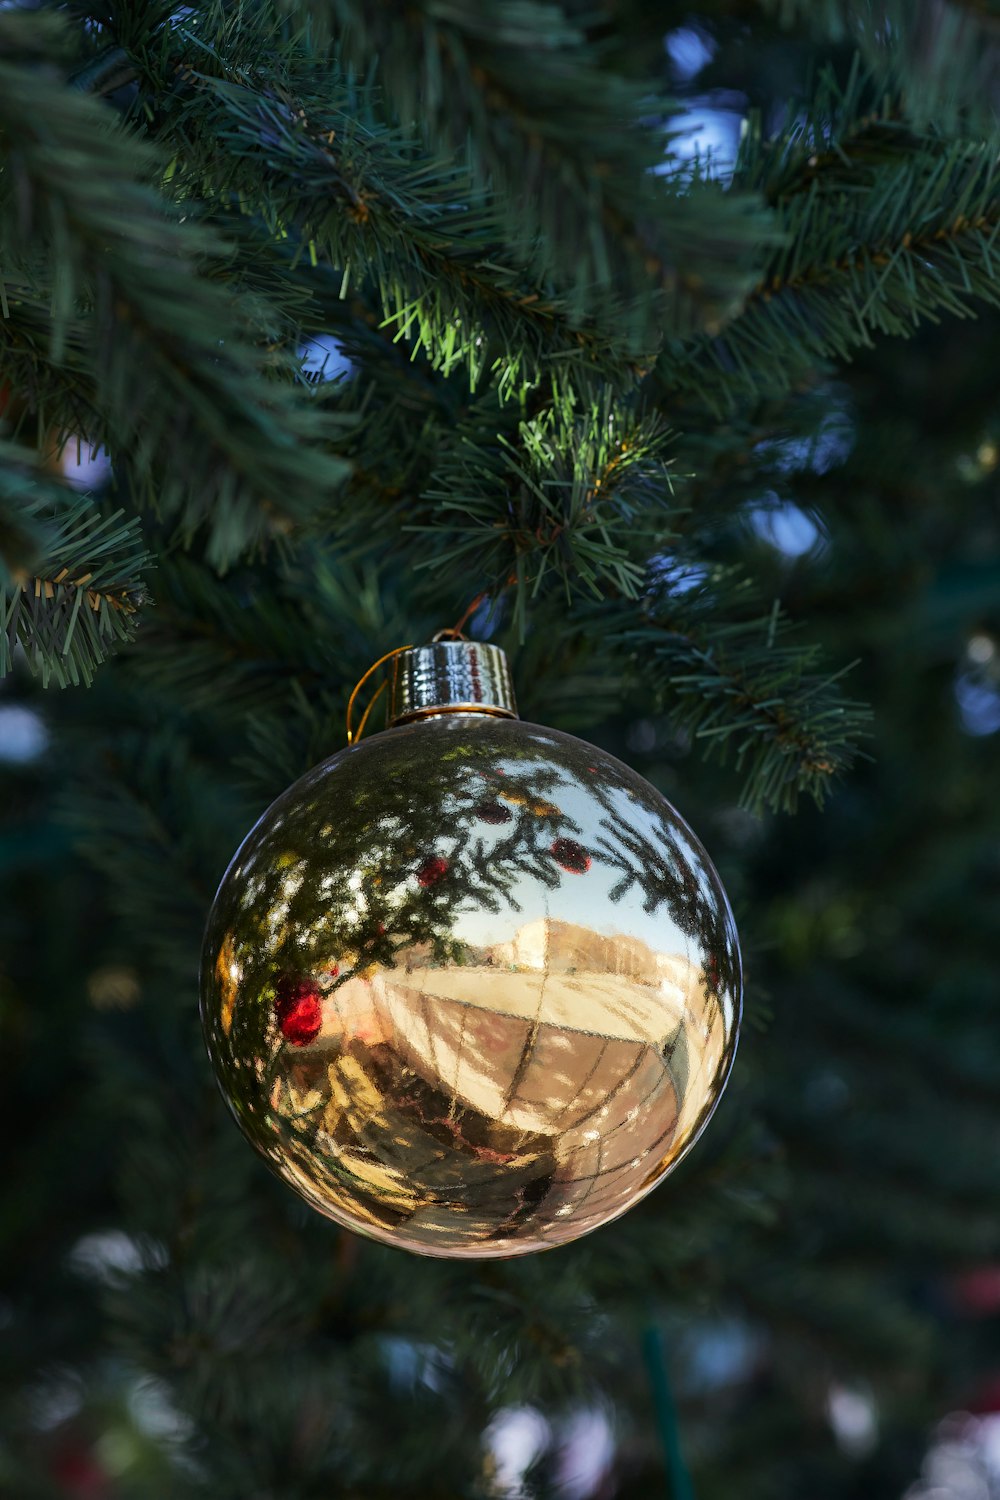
(818, 1288)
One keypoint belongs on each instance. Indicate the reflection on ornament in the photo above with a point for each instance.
(493, 812)
(492, 1065)
(226, 975)
(432, 870)
(298, 1009)
(571, 856)
(537, 806)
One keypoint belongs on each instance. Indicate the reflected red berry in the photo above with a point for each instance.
(298, 1010)
(432, 870)
(493, 812)
(572, 856)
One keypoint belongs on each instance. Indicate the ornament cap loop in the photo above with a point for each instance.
(456, 676)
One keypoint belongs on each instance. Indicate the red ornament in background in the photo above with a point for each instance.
(572, 856)
(493, 812)
(431, 871)
(976, 1292)
(298, 1009)
(78, 1472)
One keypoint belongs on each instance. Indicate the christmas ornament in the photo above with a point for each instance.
(471, 986)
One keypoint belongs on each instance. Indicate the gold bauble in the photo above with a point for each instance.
(472, 987)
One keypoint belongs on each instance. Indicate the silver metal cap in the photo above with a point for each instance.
(450, 677)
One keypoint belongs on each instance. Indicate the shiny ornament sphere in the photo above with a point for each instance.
(471, 987)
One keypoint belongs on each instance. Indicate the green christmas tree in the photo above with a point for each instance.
(326, 326)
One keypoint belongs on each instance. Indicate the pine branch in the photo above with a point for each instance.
(238, 648)
(573, 149)
(361, 202)
(218, 423)
(275, 649)
(568, 500)
(53, 400)
(110, 70)
(728, 678)
(310, 154)
(942, 57)
(134, 818)
(22, 501)
(70, 592)
(884, 229)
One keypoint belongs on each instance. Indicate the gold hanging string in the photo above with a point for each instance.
(358, 733)
(482, 598)
(467, 616)
(354, 735)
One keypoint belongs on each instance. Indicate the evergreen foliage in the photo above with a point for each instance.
(393, 317)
